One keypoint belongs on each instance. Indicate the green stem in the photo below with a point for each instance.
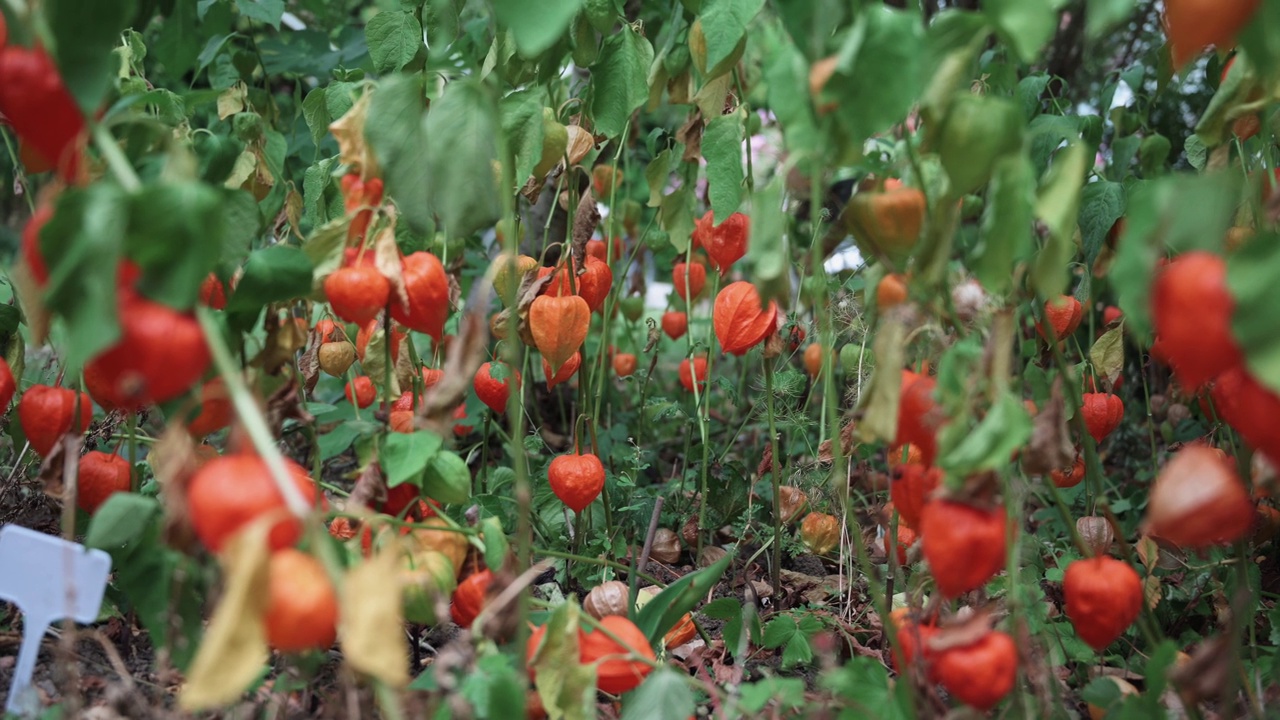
(775, 570)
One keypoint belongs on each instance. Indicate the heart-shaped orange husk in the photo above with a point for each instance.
(725, 243)
(740, 322)
(559, 326)
(697, 279)
(566, 371)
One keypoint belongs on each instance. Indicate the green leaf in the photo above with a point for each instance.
(176, 234)
(724, 24)
(82, 245)
(495, 542)
(658, 172)
(879, 71)
(677, 217)
(1102, 203)
(797, 652)
(863, 684)
(265, 11)
(1259, 40)
(1026, 25)
(722, 148)
(767, 251)
(404, 456)
(1006, 222)
(787, 85)
(394, 39)
(1180, 212)
(780, 631)
(273, 274)
(619, 80)
(316, 113)
(84, 36)
(522, 123)
(325, 247)
(1251, 274)
(989, 445)
(535, 24)
(663, 612)
(120, 521)
(336, 441)
(396, 132)
(1107, 353)
(664, 694)
(1101, 16)
(1058, 207)
(462, 131)
(566, 686)
(1197, 152)
(447, 478)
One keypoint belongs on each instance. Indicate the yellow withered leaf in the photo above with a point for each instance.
(234, 648)
(370, 629)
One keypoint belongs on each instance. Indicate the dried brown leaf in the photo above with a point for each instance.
(655, 335)
(466, 353)
(691, 135)
(348, 130)
(286, 403)
(963, 632)
(585, 221)
(386, 257)
(53, 470)
(173, 461)
(370, 489)
(1207, 674)
(1050, 447)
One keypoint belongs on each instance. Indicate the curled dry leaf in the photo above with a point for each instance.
(348, 131)
(585, 221)
(964, 631)
(387, 258)
(234, 647)
(465, 355)
(286, 404)
(1050, 447)
(173, 461)
(370, 489)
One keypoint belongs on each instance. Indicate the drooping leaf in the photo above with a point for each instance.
(461, 133)
(989, 445)
(82, 245)
(522, 123)
(1179, 213)
(1058, 208)
(879, 71)
(535, 25)
(1102, 203)
(1006, 222)
(272, 274)
(120, 521)
(566, 686)
(177, 247)
(724, 24)
(619, 80)
(84, 35)
(722, 148)
(1025, 24)
(1251, 275)
(396, 133)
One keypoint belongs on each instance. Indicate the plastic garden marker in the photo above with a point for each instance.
(49, 579)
